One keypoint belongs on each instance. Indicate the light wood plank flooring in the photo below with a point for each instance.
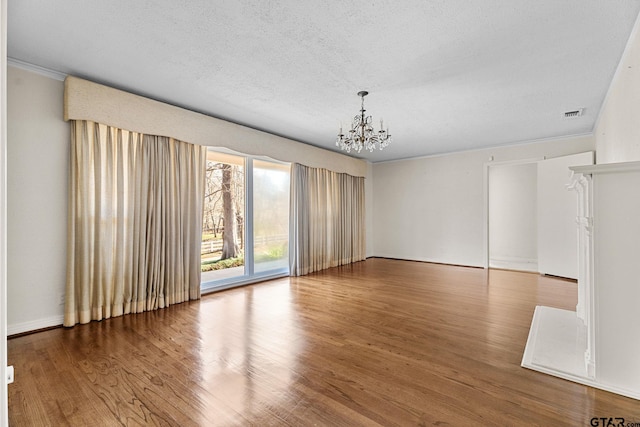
(380, 342)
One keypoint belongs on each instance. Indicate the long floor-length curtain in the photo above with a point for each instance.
(135, 222)
(327, 227)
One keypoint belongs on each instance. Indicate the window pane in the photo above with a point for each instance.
(270, 216)
(222, 250)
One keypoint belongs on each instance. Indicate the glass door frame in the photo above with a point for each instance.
(249, 275)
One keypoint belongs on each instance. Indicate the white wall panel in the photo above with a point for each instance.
(557, 210)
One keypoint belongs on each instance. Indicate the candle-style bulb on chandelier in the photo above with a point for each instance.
(362, 134)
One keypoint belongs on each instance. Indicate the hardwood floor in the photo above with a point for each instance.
(380, 342)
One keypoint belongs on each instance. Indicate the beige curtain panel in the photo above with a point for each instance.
(327, 219)
(135, 222)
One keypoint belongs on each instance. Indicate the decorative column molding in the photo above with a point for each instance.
(582, 184)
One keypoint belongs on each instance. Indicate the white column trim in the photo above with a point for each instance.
(4, 402)
(582, 184)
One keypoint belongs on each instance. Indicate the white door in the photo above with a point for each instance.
(557, 211)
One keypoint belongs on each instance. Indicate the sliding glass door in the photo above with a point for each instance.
(245, 232)
(270, 216)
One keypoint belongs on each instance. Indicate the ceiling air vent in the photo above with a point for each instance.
(574, 113)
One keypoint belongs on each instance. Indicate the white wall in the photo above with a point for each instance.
(618, 129)
(38, 163)
(433, 208)
(513, 216)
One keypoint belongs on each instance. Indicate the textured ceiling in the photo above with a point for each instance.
(445, 75)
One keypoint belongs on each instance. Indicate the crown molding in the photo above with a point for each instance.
(511, 144)
(53, 74)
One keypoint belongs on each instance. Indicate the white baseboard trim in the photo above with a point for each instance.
(515, 259)
(34, 325)
(428, 260)
(514, 263)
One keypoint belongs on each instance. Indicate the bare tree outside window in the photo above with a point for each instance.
(223, 217)
(230, 247)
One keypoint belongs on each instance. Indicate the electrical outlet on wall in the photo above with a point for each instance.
(9, 374)
(61, 299)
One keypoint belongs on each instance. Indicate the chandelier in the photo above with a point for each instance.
(362, 134)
